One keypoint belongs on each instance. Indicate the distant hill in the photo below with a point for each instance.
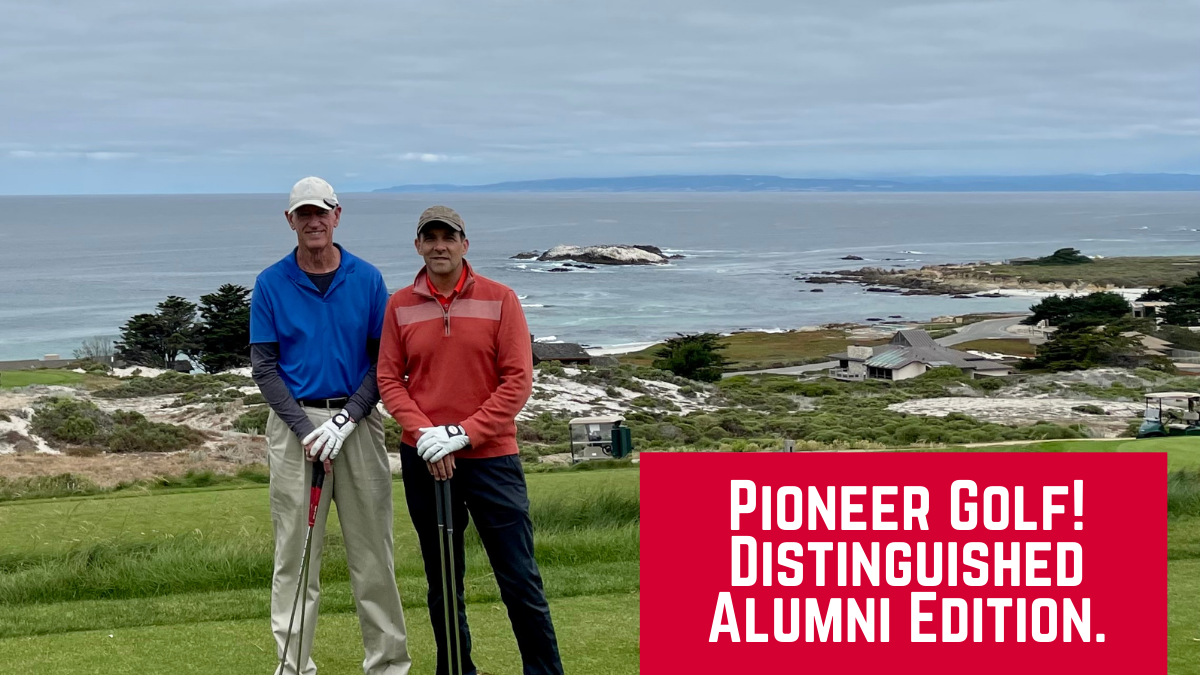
(1120, 182)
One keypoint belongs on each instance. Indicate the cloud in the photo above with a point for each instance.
(69, 154)
(425, 157)
(237, 95)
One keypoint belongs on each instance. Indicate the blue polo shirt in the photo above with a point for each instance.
(322, 338)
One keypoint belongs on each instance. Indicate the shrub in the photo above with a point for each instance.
(253, 421)
(545, 428)
(77, 422)
(990, 384)
(1090, 409)
(695, 357)
(392, 433)
(254, 399)
(175, 383)
(137, 434)
(70, 420)
(551, 368)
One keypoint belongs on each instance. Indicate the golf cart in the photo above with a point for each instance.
(1171, 413)
(599, 438)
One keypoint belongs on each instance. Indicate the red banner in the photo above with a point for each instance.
(903, 563)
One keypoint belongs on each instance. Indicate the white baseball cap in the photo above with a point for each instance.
(312, 190)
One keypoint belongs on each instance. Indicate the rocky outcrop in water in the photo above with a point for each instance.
(608, 255)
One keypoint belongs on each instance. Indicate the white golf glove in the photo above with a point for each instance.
(327, 439)
(437, 442)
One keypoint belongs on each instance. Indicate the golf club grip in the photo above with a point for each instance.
(314, 493)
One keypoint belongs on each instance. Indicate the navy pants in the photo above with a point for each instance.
(491, 490)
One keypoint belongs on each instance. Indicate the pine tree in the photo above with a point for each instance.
(695, 357)
(224, 332)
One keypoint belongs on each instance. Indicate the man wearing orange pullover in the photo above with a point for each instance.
(455, 368)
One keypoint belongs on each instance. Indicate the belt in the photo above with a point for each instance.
(325, 402)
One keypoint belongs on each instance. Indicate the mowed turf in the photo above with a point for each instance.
(24, 378)
(586, 545)
(181, 582)
(1183, 452)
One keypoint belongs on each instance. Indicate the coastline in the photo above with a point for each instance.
(1128, 276)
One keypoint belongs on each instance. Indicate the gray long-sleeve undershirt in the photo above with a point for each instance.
(264, 362)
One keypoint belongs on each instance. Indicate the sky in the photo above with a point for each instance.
(145, 96)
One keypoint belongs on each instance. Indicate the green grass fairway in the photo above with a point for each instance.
(1183, 452)
(23, 378)
(1010, 346)
(749, 351)
(597, 634)
(180, 580)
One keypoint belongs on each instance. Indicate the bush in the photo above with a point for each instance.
(175, 383)
(78, 422)
(254, 399)
(137, 434)
(70, 420)
(392, 434)
(695, 357)
(1090, 409)
(545, 428)
(551, 368)
(990, 384)
(253, 421)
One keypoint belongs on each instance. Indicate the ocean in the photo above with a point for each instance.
(76, 267)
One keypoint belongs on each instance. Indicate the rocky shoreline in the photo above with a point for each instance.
(963, 280)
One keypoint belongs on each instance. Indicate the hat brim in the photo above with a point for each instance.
(438, 221)
(311, 202)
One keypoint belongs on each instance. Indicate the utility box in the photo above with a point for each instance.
(622, 442)
(599, 438)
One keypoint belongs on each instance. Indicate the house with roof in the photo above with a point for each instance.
(910, 353)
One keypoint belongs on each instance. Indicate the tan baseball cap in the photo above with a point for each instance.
(312, 190)
(440, 214)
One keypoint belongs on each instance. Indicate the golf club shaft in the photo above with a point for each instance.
(439, 491)
(453, 579)
(295, 602)
(314, 502)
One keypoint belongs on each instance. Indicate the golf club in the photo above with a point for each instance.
(314, 502)
(445, 518)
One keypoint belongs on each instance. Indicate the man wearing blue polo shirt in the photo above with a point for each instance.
(315, 322)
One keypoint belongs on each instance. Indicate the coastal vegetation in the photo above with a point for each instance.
(1063, 256)
(758, 350)
(219, 339)
(1117, 272)
(967, 278)
(1184, 297)
(1093, 308)
(78, 422)
(174, 383)
(695, 357)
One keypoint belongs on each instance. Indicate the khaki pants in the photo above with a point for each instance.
(361, 486)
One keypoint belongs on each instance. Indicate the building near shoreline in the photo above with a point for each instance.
(566, 353)
(909, 354)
